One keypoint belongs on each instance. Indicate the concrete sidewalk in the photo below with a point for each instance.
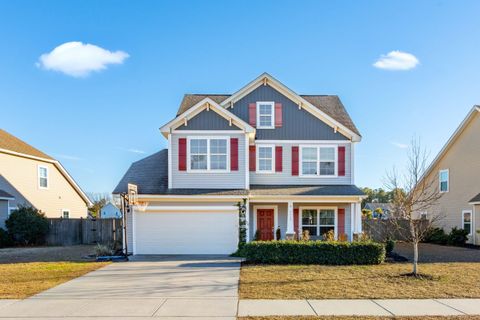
(227, 308)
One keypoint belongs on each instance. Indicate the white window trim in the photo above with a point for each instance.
(66, 210)
(335, 209)
(440, 180)
(272, 103)
(318, 147)
(471, 219)
(275, 219)
(10, 209)
(257, 155)
(208, 138)
(38, 177)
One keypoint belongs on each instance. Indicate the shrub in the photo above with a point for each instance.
(329, 236)
(27, 226)
(256, 236)
(389, 245)
(457, 237)
(278, 233)
(436, 235)
(102, 250)
(314, 252)
(305, 235)
(5, 239)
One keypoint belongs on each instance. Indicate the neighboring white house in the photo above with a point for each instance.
(110, 211)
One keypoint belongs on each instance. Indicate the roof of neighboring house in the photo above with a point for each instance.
(375, 205)
(151, 176)
(330, 104)
(12, 143)
(475, 199)
(5, 194)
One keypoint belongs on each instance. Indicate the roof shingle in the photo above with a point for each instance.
(12, 143)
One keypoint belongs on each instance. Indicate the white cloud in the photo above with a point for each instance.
(79, 59)
(399, 145)
(396, 60)
(68, 157)
(136, 151)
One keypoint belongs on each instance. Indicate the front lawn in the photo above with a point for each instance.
(450, 280)
(21, 280)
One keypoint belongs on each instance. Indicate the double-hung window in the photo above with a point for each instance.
(318, 221)
(42, 177)
(208, 154)
(65, 214)
(467, 221)
(444, 180)
(266, 115)
(265, 159)
(318, 161)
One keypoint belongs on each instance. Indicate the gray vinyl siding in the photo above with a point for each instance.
(283, 213)
(209, 180)
(3, 213)
(297, 124)
(285, 177)
(208, 120)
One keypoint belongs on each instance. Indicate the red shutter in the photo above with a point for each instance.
(278, 159)
(341, 221)
(234, 154)
(252, 114)
(295, 223)
(278, 115)
(341, 161)
(253, 160)
(294, 161)
(182, 154)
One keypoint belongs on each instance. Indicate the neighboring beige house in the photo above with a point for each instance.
(457, 170)
(30, 177)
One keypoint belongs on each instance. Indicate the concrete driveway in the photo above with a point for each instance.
(159, 286)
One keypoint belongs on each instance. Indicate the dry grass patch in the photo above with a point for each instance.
(450, 280)
(20, 280)
(364, 318)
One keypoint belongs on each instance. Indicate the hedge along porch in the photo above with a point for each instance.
(292, 216)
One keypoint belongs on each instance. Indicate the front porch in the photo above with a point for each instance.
(292, 217)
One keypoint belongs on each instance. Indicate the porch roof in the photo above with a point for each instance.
(305, 190)
(475, 199)
(6, 195)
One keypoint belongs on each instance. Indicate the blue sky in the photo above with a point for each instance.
(96, 125)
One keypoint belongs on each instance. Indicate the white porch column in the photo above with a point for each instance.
(352, 220)
(290, 233)
(358, 220)
(247, 219)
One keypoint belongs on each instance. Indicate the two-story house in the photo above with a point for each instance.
(290, 157)
(455, 173)
(29, 177)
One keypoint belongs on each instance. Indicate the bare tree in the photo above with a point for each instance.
(414, 193)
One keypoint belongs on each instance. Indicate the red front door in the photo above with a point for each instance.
(265, 224)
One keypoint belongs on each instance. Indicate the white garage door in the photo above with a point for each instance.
(186, 233)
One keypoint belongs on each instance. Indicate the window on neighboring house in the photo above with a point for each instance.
(208, 154)
(265, 115)
(265, 159)
(11, 209)
(467, 221)
(444, 180)
(318, 161)
(65, 214)
(43, 177)
(318, 222)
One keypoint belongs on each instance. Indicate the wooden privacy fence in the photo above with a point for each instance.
(64, 232)
(380, 230)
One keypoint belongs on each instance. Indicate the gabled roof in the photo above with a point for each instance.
(10, 144)
(13, 144)
(475, 200)
(328, 107)
(473, 112)
(205, 104)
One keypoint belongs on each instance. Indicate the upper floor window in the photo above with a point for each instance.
(467, 221)
(265, 159)
(208, 154)
(65, 214)
(266, 115)
(318, 161)
(43, 177)
(444, 180)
